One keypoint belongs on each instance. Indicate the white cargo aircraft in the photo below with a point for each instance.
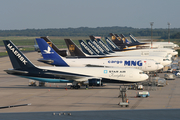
(155, 44)
(86, 48)
(164, 52)
(24, 68)
(50, 55)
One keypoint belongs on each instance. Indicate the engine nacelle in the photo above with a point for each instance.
(94, 82)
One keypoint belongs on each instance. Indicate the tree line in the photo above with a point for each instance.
(86, 31)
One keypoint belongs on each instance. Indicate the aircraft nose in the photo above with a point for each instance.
(160, 66)
(145, 77)
(176, 53)
(169, 62)
(169, 56)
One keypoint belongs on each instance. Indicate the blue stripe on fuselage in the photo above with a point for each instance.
(48, 80)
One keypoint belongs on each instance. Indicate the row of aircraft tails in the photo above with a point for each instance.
(116, 61)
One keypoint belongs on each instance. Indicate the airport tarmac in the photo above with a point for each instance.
(55, 97)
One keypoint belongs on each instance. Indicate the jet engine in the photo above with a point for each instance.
(94, 82)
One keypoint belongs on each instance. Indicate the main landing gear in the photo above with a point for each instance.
(75, 87)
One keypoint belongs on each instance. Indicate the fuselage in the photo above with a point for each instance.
(164, 52)
(142, 64)
(121, 74)
(162, 60)
(55, 74)
(161, 45)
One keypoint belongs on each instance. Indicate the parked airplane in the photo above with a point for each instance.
(159, 52)
(24, 68)
(105, 46)
(162, 60)
(127, 52)
(51, 55)
(96, 48)
(147, 46)
(155, 44)
(75, 51)
(122, 43)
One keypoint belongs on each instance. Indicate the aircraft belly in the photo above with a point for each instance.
(49, 80)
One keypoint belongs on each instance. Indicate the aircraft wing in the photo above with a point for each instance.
(78, 78)
(46, 61)
(10, 71)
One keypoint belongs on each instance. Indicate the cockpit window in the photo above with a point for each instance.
(166, 60)
(141, 73)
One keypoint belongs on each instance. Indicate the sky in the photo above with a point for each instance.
(43, 14)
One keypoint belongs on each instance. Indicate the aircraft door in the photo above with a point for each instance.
(130, 74)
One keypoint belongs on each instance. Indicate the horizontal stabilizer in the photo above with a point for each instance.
(49, 61)
(10, 71)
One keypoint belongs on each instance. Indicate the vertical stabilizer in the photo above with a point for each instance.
(18, 59)
(116, 41)
(86, 48)
(62, 53)
(50, 54)
(101, 43)
(94, 47)
(105, 46)
(99, 46)
(111, 44)
(126, 41)
(73, 48)
(133, 39)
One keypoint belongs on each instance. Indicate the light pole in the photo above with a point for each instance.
(169, 31)
(151, 23)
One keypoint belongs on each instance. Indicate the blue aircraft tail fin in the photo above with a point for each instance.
(86, 49)
(99, 46)
(94, 47)
(49, 53)
(62, 53)
(133, 39)
(18, 59)
(111, 44)
(103, 45)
